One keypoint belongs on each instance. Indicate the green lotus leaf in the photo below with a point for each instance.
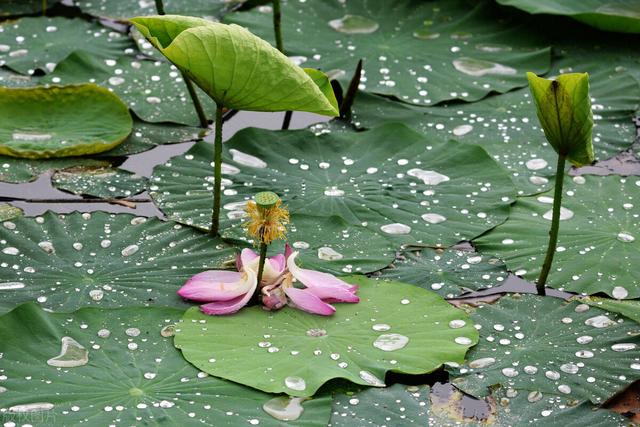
(102, 182)
(24, 7)
(564, 110)
(61, 121)
(506, 125)
(611, 15)
(237, 69)
(392, 180)
(124, 9)
(395, 327)
(420, 52)
(121, 368)
(598, 243)
(66, 262)
(448, 273)
(8, 212)
(551, 346)
(408, 406)
(629, 308)
(30, 44)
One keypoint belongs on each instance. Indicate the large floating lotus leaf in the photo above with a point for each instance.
(395, 327)
(40, 43)
(61, 121)
(16, 170)
(236, 68)
(563, 106)
(9, 78)
(448, 272)
(551, 346)
(391, 180)
(77, 260)
(106, 183)
(155, 90)
(507, 127)
(133, 375)
(146, 136)
(407, 406)
(125, 9)
(421, 52)
(613, 15)
(24, 7)
(598, 245)
(397, 406)
(629, 308)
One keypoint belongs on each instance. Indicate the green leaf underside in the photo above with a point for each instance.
(61, 121)
(563, 107)
(133, 377)
(254, 76)
(629, 308)
(613, 15)
(551, 346)
(154, 90)
(40, 43)
(598, 240)
(471, 50)
(368, 179)
(507, 127)
(125, 9)
(66, 262)
(447, 273)
(406, 406)
(285, 350)
(107, 183)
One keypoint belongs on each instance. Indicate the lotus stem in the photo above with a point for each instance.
(555, 226)
(263, 257)
(159, 7)
(350, 96)
(217, 172)
(44, 7)
(202, 118)
(277, 27)
(287, 120)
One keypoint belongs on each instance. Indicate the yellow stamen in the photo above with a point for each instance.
(266, 224)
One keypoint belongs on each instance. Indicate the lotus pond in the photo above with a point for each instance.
(342, 213)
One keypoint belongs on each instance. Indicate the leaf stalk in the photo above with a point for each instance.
(217, 172)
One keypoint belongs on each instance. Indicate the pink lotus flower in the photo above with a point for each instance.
(226, 292)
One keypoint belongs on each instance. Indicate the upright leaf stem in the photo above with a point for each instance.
(555, 226)
(217, 172)
(44, 7)
(202, 118)
(277, 29)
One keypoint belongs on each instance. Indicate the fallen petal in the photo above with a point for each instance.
(306, 301)
(214, 285)
(233, 305)
(323, 285)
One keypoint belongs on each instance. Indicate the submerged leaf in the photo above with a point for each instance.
(61, 121)
(236, 68)
(564, 110)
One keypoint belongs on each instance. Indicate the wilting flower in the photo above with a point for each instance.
(226, 292)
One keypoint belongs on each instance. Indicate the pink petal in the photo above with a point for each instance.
(233, 305)
(247, 256)
(306, 301)
(275, 299)
(287, 250)
(279, 263)
(323, 285)
(214, 285)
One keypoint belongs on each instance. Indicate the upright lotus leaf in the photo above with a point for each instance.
(550, 346)
(613, 15)
(598, 243)
(237, 69)
(120, 368)
(564, 110)
(66, 262)
(395, 327)
(61, 121)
